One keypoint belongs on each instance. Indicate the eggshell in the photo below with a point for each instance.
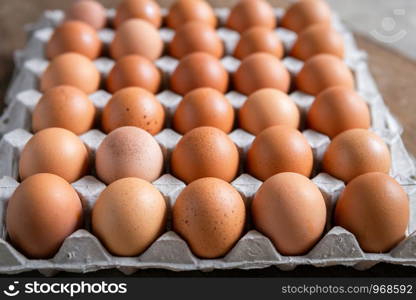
(323, 71)
(375, 208)
(42, 212)
(290, 210)
(205, 152)
(88, 11)
(268, 107)
(210, 215)
(57, 151)
(337, 109)
(197, 70)
(129, 215)
(128, 152)
(184, 11)
(133, 106)
(279, 149)
(355, 152)
(147, 10)
(60, 106)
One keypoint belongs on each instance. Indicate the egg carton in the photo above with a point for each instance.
(83, 252)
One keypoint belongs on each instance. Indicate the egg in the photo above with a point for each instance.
(261, 70)
(147, 10)
(205, 152)
(133, 106)
(355, 152)
(184, 11)
(88, 11)
(71, 69)
(197, 70)
(290, 210)
(279, 149)
(134, 70)
(323, 71)
(259, 39)
(128, 152)
(129, 215)
(268, 107)
(305, 13)
(57, 151)
(194, 37)
(337, 109)
(210, 215)
(249, 13)
(317, 39)
(60, 106)
(42, 212)
(136, 36)
(375, 208)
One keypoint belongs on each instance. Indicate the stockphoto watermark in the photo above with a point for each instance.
(389, 31)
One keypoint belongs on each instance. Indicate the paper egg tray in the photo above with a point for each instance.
(83, 252)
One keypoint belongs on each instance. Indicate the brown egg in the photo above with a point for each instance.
(210, 215)
(134, 70)
(323, 71)
(42, 212)
(136, 36)
(203, 107)
(60, 106)
(57, 151)
(290, 210)
(249, 13)
(337, 109)
(197, 70)
(129, 215)
(259, 39)
(133, 106)
(261, 70)
(193, 37)
(205, 152)
(147, 10)
(184, 11)
(266, 108)
(317, 39)
(88, 11)
(279, 149)
(71, 69)
(305, 13)
(74, 36)
(128, 152)
(375, 208)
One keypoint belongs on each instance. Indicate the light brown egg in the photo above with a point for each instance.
(197, 70)
(249, 13)
(60, 106)
(129, 215)
(128, 152)
(268, 107)
(279, 149)
(261, 70)
(134, 70)
(136, 36)
(323, 71)
(71, 69)
(57, 151)
(337, 109)
(290, 210)
(355, 152)
(194, 37)
(133, 106)
(205, 152)
(42, 212)
(210, 215)
(88, 11)
(184, 11)
(259, 39)
(305, 13)
(375, 208)
(147, 10)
